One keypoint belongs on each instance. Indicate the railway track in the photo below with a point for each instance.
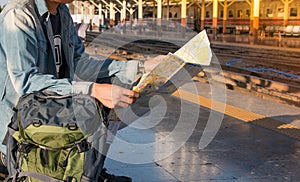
(268, 85)
(284, 59)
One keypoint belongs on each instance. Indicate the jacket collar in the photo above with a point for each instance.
(41, 7)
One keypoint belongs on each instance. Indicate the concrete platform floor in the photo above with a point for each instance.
(240, 151)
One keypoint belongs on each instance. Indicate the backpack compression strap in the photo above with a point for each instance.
(35, 175)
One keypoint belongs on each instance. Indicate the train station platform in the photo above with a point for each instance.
(256, 141)
(248, 138)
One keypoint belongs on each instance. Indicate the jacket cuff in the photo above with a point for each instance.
(131, 72)
(82, 87)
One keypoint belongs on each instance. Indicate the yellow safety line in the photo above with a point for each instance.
(241, 114)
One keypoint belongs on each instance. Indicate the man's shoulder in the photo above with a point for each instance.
(14, 5)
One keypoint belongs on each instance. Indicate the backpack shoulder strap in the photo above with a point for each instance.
(9, 132)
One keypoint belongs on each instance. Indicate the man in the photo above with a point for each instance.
(39, 49)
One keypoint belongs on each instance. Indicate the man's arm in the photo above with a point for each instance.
(21, 47)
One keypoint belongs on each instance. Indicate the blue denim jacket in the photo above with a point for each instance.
(27, 61)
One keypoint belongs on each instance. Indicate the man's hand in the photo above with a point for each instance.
(113, 96)
(150, 63)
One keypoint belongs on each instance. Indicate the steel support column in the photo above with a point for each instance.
(256, 4)
(183, 13)
(159, 14)
(168, 9)
(91, 13)
(111, 14)
(202, 14)
(225, 16)
(225, 5)
(100, 16)
(106, 16)
(159, 11)
(215, 18)
(82, 13)
(140, 11)
(123, 13)
(286, 10)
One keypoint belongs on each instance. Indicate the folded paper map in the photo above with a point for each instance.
(197, 50)
(178, 68)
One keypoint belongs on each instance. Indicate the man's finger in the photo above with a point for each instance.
(131, 94)
(127, 100)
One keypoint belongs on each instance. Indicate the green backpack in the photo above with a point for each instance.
(56, 138)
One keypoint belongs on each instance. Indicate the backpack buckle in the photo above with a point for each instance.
(25, 147)
(83, 146)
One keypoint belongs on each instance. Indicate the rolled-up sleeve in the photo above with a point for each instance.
(93, 70)
(90, 69)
